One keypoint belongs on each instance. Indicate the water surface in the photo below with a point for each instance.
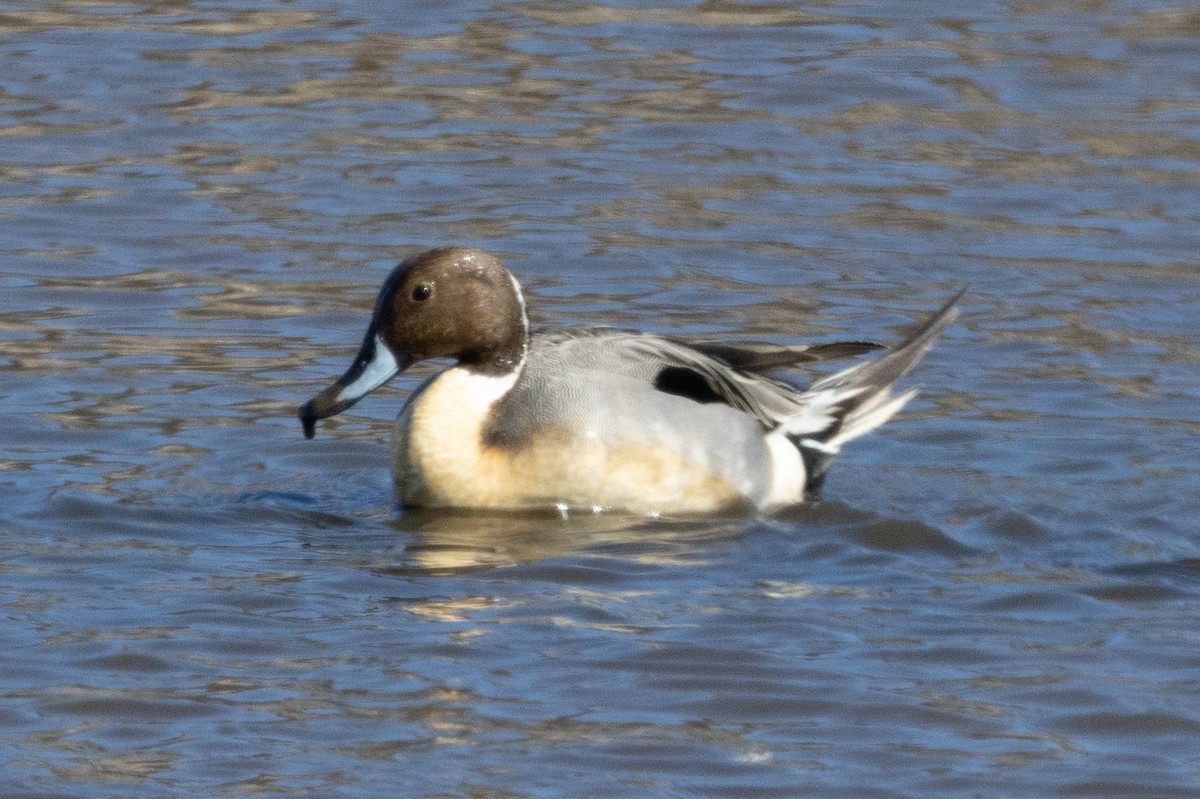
(998, 596)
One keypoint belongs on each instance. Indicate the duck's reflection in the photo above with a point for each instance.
(447, 542)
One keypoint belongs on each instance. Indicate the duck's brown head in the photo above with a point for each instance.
(450, 302)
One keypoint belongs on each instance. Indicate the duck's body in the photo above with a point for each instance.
(598, 418)
(576, 427)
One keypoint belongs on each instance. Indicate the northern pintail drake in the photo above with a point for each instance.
(600, 418)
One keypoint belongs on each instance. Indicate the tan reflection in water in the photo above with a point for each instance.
(708, 13)
(460, 86)
(174, 15)
(110, 766)
(448, 541)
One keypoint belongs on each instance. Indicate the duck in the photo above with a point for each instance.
(599, 418)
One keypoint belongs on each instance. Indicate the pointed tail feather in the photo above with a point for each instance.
(757, 356)
(855, 401)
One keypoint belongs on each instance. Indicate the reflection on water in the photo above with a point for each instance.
(449, 542)
(197, 204)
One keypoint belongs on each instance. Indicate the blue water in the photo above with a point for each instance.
(997, 597)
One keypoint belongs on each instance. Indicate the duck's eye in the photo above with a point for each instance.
(422, 292)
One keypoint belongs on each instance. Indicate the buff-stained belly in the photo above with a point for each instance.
(440, 461)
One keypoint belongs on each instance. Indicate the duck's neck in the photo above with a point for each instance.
(502, 352)
(498, 363)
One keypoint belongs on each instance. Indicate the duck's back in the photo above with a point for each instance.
(597, 399)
